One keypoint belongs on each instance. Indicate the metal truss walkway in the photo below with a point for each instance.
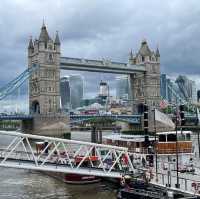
(61, 155)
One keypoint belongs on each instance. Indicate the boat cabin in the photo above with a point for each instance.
(134, 143)
(167, 142)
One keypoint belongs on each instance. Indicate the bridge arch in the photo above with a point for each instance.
(140, 108)
(35, 107)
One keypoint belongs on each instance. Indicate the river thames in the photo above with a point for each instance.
(26, 184)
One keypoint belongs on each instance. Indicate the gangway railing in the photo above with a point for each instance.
(61, 155)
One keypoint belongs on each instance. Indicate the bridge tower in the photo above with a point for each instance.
(145, 87)
(44, 87)
(44, 83)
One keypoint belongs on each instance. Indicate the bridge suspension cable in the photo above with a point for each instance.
(177, 96)
(17, 82)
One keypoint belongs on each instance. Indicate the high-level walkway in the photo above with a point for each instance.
(105, 66)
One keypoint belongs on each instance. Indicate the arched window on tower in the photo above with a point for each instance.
(50, 57)
(143, 58)
(50, 47)
(49, 105)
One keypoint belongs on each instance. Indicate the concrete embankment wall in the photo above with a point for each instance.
(54, 125)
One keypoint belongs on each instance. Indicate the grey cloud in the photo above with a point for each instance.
(97, 29)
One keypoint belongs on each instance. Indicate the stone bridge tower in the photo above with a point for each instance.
(44, 83)
(145, 87)
(44, 87)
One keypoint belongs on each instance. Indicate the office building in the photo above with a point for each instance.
(71, 91)
(122, 87)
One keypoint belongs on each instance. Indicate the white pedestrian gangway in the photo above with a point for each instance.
(62, 155)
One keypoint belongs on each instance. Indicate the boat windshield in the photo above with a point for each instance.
(172, 137)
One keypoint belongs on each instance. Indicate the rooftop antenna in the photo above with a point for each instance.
(43, 22)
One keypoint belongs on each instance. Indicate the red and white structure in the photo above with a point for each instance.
(65, 156)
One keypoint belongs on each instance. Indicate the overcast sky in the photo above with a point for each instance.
(99, 29)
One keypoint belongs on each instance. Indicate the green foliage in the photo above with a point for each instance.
(67, 135)
(168, 110)
(9, 124)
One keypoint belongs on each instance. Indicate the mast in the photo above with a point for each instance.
(155, 133)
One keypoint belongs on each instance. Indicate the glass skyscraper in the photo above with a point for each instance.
(71, 89)
(65, 93)
(76, 90)
(183, 87)
(122, 87)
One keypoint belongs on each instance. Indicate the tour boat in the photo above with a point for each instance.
(165, 142)
(164, 146)
(134, 143)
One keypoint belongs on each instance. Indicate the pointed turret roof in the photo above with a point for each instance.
(157, 52)
(30, 45)
(131, 54)
(44, 36)
(57, 40)
(144, 49)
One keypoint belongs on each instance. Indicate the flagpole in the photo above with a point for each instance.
(155, 144)
(177, 170)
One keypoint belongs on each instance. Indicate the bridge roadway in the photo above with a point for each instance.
(105, 66)
(132, 119)
(16, 117)
(135, 119)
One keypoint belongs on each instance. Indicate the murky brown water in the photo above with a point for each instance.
(25, 184)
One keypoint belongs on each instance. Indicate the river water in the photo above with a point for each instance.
(25, 184)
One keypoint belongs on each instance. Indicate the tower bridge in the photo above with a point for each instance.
(143, 69)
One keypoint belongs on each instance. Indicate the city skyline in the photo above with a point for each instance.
(94, 41)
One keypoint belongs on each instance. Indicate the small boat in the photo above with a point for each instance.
(142, 189)
(82, 179)
(69, 177)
